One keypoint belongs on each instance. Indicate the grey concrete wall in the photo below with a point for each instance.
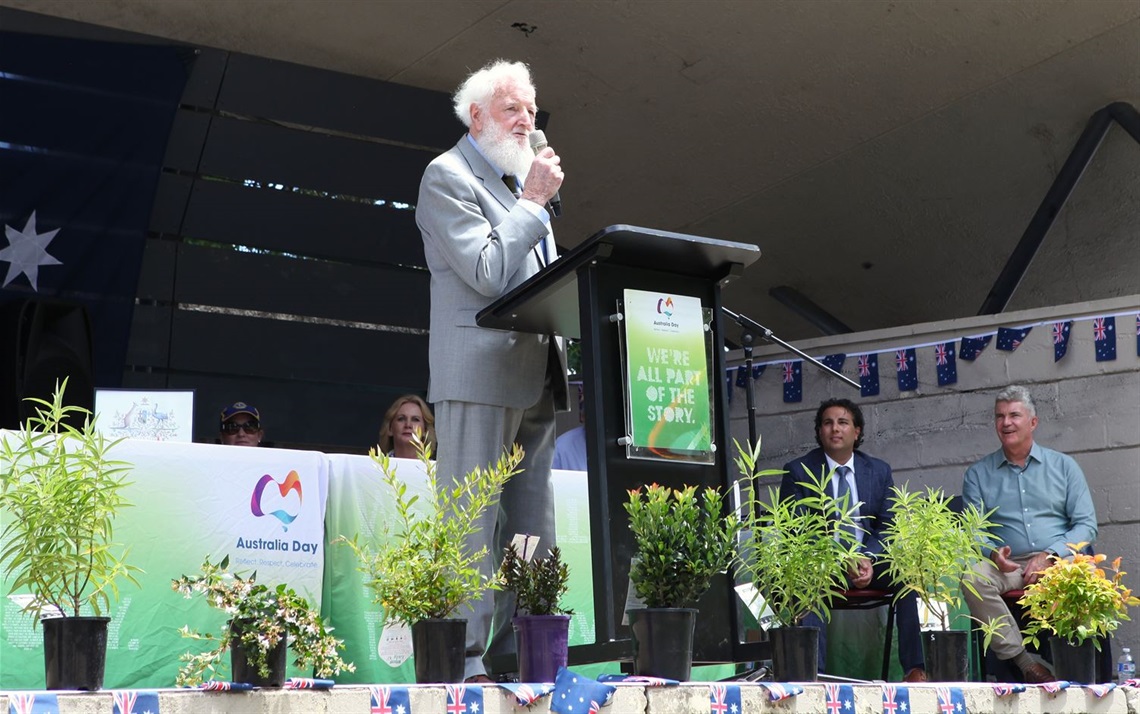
(1088, 409)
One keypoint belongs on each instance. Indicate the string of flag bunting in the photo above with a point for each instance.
(946, 356)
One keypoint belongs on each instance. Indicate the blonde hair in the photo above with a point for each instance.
(386, 427)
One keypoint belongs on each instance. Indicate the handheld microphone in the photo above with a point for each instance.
(538, 143)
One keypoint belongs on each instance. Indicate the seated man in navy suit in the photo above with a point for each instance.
(839, 432)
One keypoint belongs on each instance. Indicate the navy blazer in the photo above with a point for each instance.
(873, 480)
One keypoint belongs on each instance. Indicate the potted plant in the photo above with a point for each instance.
(931, 549)
(1079, 604)
(422, 570)
(542, 625)
(62, 493)
(797, 556)
(682, 539)
(263, 623)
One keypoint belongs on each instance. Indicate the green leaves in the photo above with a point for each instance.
(797, 553)
(260, 617)
(683, 539)
(538, 585)
(930, 550)
(62, 493)
(421, 567)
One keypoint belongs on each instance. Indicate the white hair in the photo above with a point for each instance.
(480, 86)
(1017, 393)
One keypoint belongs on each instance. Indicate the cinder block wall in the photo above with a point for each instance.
(1088, 409)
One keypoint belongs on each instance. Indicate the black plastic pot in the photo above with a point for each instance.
(243, 670)
(947, 655)
(543, 646)
(1073, 663)
(75, 652)
(663, 641)
(795, 653)
(439, 648)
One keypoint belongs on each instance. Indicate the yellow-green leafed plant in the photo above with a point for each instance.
(422, 567)
(798, 552)
(931, 550)
(683, 539)
(62, 493)
(1075, 599)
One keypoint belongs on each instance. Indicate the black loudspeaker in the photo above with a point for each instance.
(43, 341)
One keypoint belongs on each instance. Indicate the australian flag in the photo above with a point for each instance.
(840, 698)
(33, 703)
(724, 699)
(906, 370)
(896, 700)
(131, 701)
(1010, 338)
(1104, 337)
(868, 375)
(972, 347)
(834, 361)
(462, 699)
(389, 700)
(793, 381)
(83, 132)
(946, 365)
(1061, 332)
(577, 694)
(951, 700)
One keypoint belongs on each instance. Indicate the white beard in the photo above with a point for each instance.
(501, 149)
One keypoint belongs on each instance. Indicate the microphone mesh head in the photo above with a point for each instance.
(537, 140)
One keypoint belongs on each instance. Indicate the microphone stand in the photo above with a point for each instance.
(749, 324)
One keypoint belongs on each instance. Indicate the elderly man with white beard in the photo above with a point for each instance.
(485, 228)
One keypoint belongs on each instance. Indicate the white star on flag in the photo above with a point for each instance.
(26, 252)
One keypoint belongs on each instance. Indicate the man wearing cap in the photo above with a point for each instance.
(241, 425)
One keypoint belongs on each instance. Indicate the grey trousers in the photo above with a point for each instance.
(472, 435)
(991, 583)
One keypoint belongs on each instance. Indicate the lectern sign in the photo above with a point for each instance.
(667, 385)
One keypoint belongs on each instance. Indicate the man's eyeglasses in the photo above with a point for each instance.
(249, 427)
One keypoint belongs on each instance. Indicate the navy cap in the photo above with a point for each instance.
(240, 408)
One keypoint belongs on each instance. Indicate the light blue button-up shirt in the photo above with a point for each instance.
(1039, 508)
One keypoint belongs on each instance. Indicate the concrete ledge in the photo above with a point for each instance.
(690, 698)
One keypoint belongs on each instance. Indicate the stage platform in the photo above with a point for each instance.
(689, 698)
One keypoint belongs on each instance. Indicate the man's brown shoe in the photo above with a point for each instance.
(915, 676)
(1037, 674)
(478, 679)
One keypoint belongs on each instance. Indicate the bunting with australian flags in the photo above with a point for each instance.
(1096, 333)
(83, 131)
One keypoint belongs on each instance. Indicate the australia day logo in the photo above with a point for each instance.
(291, 483)
(665, 306)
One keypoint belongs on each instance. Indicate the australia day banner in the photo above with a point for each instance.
(667, 377)
(361, 504)
(264, 508)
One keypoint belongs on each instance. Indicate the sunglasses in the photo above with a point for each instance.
(249, 427)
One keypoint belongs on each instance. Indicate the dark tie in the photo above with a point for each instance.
(512, 185)
(843, 492)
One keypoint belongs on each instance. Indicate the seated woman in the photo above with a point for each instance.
(407, 415)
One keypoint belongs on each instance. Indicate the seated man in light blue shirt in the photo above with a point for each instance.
(1042, 503)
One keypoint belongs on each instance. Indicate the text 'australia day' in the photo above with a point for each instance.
(294, 546)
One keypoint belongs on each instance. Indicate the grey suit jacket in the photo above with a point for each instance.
(479, 244)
